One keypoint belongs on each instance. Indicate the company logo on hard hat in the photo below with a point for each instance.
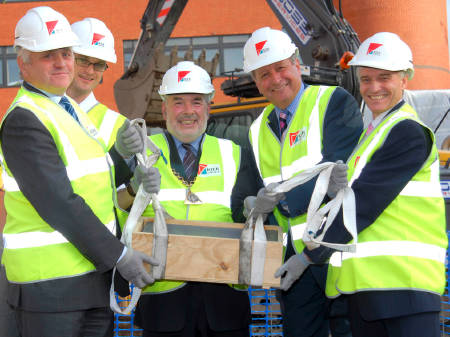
(207, 170)
(96, 40)
(372, 49)
(51, 26)
(297, 137)
(260, 47)
(182, 76)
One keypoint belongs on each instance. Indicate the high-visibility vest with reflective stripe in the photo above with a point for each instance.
(218, 168)
(301, 148)
(405, 247)
(34, 251)
(107, 122)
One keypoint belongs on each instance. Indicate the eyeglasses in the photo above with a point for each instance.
(85, 63)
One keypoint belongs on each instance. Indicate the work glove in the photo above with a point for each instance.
(131, 267)
(149, 177)
(338, 178)
(129, 140)
(264, 202)
(291, 270)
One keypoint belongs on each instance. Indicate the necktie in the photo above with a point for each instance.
(369, 129)
(189, 161)
(65, 103)
(283, 121)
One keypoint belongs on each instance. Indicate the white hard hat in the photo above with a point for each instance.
(186, 77)
(96, 40)
(43, 28)
(267, 46)
(384, 51)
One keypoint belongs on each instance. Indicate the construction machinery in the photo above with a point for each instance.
(323, 35)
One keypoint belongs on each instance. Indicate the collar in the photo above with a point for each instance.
(294, 104)
(375, 122)
(195, 144)
(53, 97)
(89, 102)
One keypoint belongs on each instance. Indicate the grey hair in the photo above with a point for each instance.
(23, 53)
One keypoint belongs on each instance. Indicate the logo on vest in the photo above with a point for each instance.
(208, 170)
(356, 161)
(297, 137)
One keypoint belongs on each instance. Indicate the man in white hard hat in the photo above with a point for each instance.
(91, 61)
(396, 277)
(198, 178)
(303, 126)
(59, 237)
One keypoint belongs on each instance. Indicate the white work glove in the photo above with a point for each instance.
(129, 140)
(264, 202)
(149, 177)
(291, 270)
(338, 178)
(131, 267)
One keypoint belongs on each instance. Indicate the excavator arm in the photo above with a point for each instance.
(320, 32)
(324, 39)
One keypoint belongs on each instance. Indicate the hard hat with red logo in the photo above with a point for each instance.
(96, 40)
(384, 51)
(267, 46)
(43, 28)
(186, 77)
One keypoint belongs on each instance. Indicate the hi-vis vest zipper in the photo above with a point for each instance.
(34, 251)
(300, 148)
(218, 168)
(405, 247)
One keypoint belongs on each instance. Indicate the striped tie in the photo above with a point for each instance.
(283, 121)
(65, 103)
(189, 161)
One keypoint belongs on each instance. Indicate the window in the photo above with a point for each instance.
(9, 71)
(229, 48)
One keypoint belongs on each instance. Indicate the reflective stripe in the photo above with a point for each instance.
(285, 239)
(422, 189)
(67, 145)
(297, 231)
(229, 165)
(374, 142)
(9, 183)
(107, 125)
(39, 239)
(81, 168)
(209, 197)
(314, 145)
(254, 129)
(394, 248)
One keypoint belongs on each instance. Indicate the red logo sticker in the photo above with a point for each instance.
(51, 26)
(356, 161)
(182, 74)
(201, 167)
(372, 47)
(97, 37)
(259, 46)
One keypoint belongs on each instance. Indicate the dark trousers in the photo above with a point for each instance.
(98, 322)
(424, 324)
(8, 324)
(304, 306)
(197, 326)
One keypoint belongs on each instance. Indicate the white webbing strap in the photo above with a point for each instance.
(252, 252)
(141, 201)
(317, 216)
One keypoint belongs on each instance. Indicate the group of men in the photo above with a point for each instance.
(62, 162)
